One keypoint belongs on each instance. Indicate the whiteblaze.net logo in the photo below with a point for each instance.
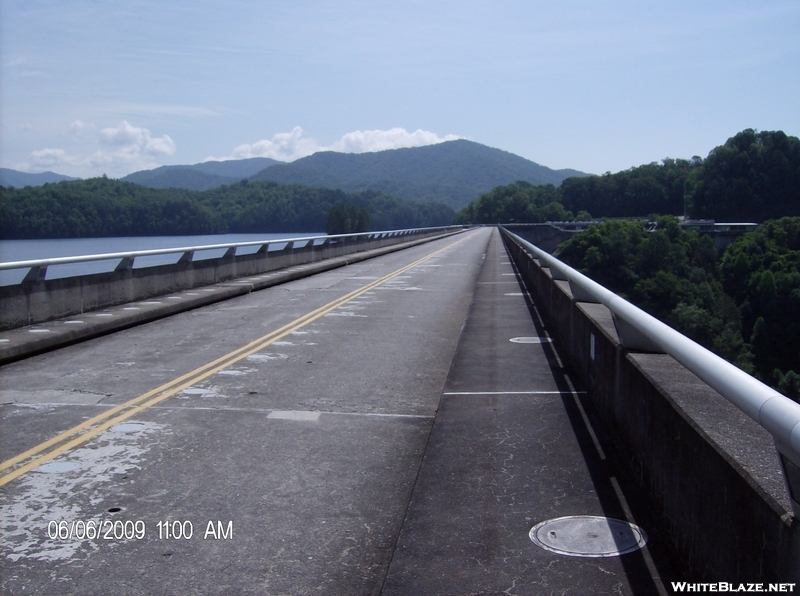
(727, 587)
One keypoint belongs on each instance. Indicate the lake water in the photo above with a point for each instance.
(23, 250)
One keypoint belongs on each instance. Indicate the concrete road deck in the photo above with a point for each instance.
(511, 447)
(292, 432)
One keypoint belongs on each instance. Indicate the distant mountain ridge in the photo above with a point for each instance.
(201, 176)
(9, 177)
(453, 172)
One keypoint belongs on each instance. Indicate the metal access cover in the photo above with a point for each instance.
(588, 536)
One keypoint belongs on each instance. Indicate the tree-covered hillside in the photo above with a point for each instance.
(101, 207)
(452, 173)
(517, 203)
(743, 304)
(9, 177)
(753, 177)
(200, 176)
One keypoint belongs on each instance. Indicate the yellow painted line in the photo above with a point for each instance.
(94, 426)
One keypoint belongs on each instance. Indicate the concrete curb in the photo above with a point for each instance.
(17, 344)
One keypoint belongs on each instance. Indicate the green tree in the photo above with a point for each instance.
(347, 219)
(754, 176)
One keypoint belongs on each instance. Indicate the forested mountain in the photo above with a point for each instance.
(637, 192)
(452, 173)
(520, 202)
(743, 304)
(100, 207)
(200, 176)
(753, 177)
(9, 177)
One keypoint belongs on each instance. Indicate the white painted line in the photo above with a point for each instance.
(513, 294)
(132, 308)
(378, 415)
(227, 408)
(511, 392)
(530, 340)
(128, 427)
(508, 274)
(104, 314)
(38, 331)
(2, 341)
(73, 322)
(294, 415)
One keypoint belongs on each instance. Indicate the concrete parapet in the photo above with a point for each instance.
(544, 235)
(712, 473)
(38, 301)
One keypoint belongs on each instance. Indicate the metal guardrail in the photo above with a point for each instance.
(637, 330)
(38, 267)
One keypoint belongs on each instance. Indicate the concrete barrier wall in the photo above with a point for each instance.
(546, 236)
(712, 474)
(34, 302)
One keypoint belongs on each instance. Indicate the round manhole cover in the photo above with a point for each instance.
(530, 340)
(588, 536)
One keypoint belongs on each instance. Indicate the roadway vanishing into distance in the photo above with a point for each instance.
(367, 430)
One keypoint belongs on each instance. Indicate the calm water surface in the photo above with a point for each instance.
(23, 250)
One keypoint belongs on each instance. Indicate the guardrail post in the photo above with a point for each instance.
(125, 264)
(186, 257)
(35, 274)
(632, 339)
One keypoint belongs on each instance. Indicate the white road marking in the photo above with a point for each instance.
(294, 415)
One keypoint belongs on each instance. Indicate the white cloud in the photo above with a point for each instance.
(123, 149)
(130, 140)
(284, 146)
(363, 141)
(48, 158)
(79, 127)
(288, 146)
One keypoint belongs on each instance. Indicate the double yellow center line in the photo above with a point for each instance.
(81, 433)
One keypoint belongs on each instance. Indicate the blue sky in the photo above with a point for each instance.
(90, 86)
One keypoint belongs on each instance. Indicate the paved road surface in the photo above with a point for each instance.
(291, 432)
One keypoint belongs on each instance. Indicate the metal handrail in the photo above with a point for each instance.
(41, 263)
(637, 330)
